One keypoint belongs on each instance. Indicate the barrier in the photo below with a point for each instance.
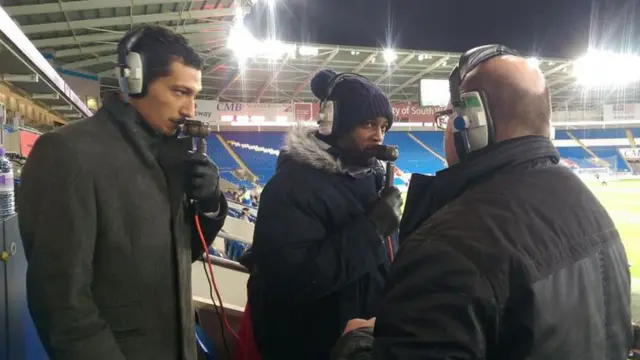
(18, 337)
(227, 264)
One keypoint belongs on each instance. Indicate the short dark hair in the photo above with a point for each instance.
(160, 47)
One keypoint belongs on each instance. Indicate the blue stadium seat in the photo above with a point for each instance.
(262, 164)
(607, 153)
(611, 155)
(433, 139)
(226, 163)
(576, 154)
(204, 343)
(599, 133)
(563, 135)
(413, 157)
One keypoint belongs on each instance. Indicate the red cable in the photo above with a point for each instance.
(213, 281)
(390, 248)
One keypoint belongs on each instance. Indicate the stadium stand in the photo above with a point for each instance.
(432, 139)
(259, 150)
(413, 158)
(226, 163)
(611, 155)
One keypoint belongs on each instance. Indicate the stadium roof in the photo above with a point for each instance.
(82, 35)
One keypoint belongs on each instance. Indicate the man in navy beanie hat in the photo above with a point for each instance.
(321, 246)
(356, 100)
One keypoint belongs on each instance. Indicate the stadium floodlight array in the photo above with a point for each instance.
(604, 68)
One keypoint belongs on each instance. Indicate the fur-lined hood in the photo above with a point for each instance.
(302, 145)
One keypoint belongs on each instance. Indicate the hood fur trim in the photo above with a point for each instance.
(302, 145)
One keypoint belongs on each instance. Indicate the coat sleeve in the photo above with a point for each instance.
(435, 306)
(58, 224)
(300, 256)
(209, 226)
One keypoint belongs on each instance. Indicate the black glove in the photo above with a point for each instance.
(385, 212)
(203, 182)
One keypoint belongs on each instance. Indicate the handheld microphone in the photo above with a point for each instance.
(197, 129)
(390, 178)
(389, 154)
(384, 152)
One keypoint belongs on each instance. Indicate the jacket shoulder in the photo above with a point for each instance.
(529, 221)
(88, 134)
(94, 124)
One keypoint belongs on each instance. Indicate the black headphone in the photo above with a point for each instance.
(325, 120)
(130, 68)
(473, 127)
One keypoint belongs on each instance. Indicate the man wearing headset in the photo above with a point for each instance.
(505, 254)
(320, 249)
(108, 214)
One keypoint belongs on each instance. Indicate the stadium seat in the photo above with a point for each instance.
(259, 150)
(226, 163)
(205, 345)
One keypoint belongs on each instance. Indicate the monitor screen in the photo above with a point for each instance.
(434, 92)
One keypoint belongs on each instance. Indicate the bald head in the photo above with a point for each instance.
(517, 93)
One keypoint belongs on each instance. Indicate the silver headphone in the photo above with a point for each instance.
(328, 107)
(130, 68)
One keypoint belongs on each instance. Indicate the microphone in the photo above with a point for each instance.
(390, 176)
(384, 152)
(197, 129)
(389, 154)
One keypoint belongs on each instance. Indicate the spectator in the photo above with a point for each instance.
(246, 215)
(505, 254)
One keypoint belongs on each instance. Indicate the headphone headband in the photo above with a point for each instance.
(338, 78)
(471, 60)
(325, 123)
(128, 45)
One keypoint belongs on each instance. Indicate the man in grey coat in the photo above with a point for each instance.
(108, 210)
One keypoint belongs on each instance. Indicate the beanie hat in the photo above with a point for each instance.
(357, 100)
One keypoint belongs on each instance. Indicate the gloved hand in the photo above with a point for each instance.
(385, 212)
(203, 182)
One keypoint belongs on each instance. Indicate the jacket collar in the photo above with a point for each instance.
(166, 162)
(428, 194)
(129, 121)
(304, 146)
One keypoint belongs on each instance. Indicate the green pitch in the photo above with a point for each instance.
(622, 200)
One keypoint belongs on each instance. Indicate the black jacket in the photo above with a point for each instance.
(318, 261)
(110, 239)
(507, 256)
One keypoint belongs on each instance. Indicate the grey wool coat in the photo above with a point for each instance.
(110, 238)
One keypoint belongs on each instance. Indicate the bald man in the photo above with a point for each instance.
(505, 254)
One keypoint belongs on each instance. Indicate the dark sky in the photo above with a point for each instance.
(549, 28)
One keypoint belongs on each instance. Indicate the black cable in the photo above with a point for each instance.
(222, 328)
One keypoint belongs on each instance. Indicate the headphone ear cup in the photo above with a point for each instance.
(325, 118)
(135, 78)
(130, 71)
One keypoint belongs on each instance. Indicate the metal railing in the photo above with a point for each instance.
(228, 236)
(225, 263)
